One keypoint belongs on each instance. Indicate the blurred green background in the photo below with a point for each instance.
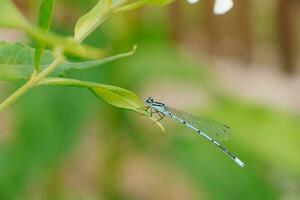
(241, 68)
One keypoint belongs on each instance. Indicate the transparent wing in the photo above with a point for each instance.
(217, 131)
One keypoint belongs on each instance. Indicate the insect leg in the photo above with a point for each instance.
(147, 108)
(161, 115)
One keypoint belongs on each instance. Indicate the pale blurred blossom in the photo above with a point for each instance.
(220, 7)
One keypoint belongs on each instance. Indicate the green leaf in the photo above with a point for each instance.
(17, 62)
(141, 3)
(93, 63)
(45, 18)
(68, 45)
(46, 14)
(112, 95)
(89, 22)
(10, 16)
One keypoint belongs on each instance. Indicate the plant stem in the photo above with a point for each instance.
(31, 83)
(11, 99)
(49, 69)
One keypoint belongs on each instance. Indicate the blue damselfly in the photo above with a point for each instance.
(212, 131)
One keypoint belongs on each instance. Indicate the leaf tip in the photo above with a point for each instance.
(134, 49)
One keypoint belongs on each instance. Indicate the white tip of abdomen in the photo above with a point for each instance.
(239, 162)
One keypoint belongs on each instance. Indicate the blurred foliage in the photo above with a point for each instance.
(50, 126)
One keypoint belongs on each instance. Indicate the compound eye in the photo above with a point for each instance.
(150, 99)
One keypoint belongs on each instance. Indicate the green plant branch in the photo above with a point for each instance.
(11, 99)
(35, 78)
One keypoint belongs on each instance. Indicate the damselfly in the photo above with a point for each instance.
(212, 131)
